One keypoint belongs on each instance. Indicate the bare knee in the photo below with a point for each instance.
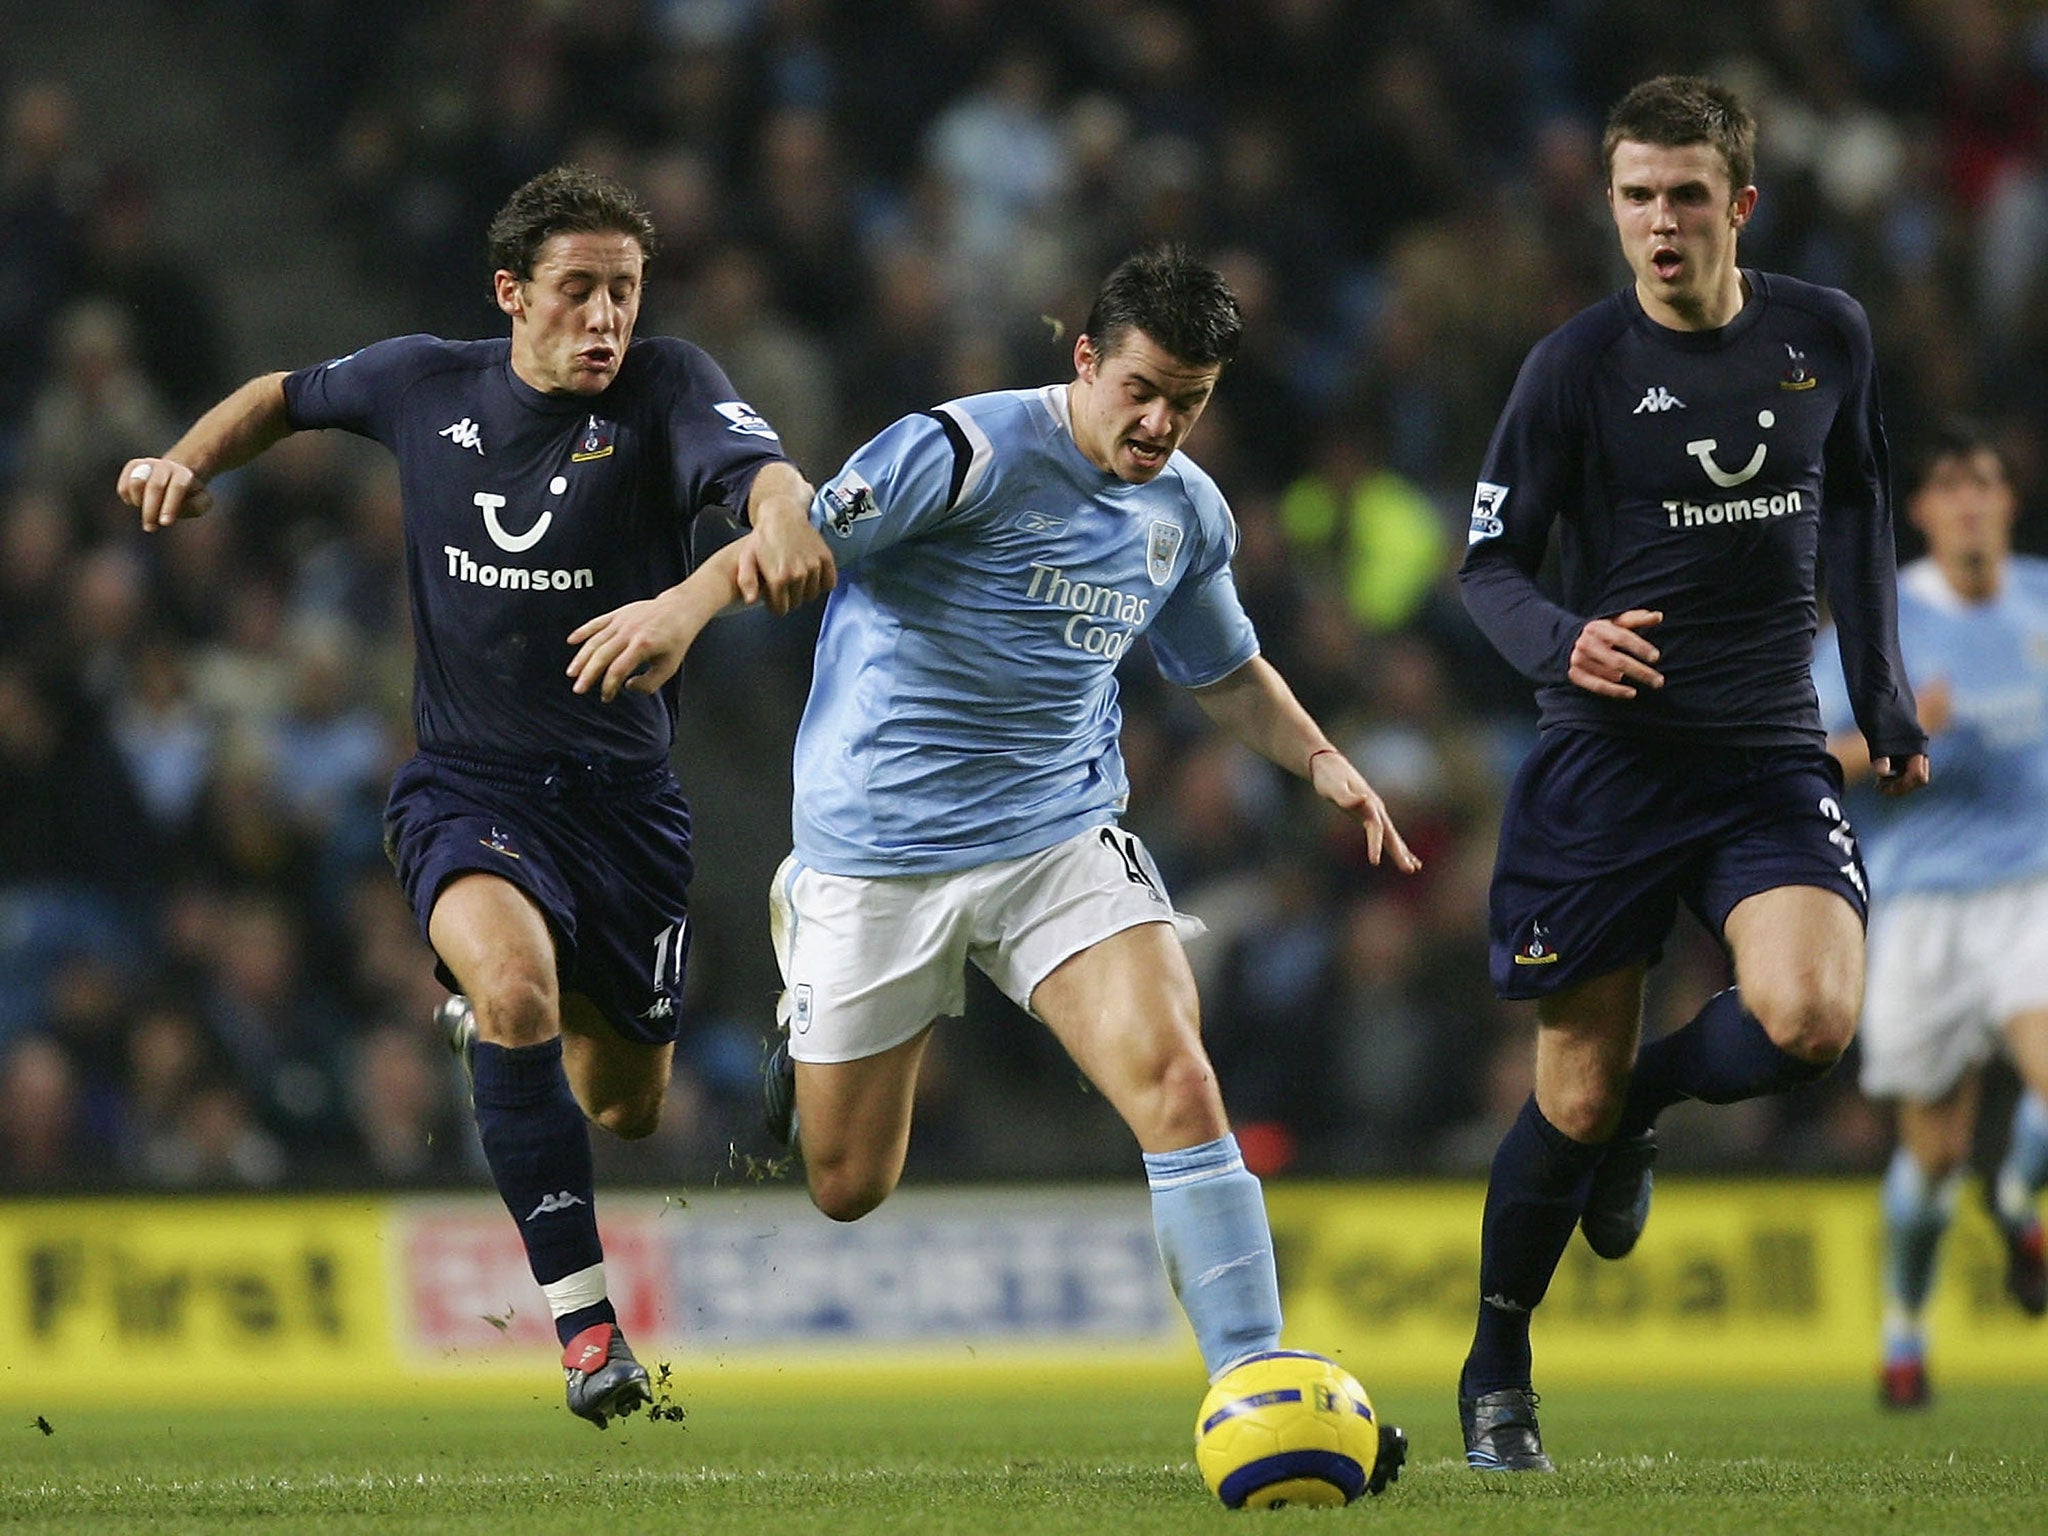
(1813, 1024)
(517, 1008)
(630, 1119)
(1179, 1104)
(845, 1193)
(1587, 1108)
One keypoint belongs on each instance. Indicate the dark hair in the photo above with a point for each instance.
(1182, 304)
(1685, 109)
(565, 200)
(1952, 437)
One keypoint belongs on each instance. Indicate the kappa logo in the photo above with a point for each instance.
(1658, 399)
(464, 434)
(550, 1204)
(1538, 950)
(1487, 500)
(660, 1011)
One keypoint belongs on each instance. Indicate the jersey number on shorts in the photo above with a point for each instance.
(670, 946)
(1844, 838)
(1125, 847)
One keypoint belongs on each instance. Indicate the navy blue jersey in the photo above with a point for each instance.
(1699, 473)
(527, 513)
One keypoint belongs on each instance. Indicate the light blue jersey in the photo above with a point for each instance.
(1983, 820)
(963, 704)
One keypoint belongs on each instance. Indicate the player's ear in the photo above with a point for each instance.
(1085, 358)
(508, 291)
(1742, 207)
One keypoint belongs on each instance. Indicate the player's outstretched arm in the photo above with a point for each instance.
(787, 563)
(173, 485)
(1255, 705)
(641, 645)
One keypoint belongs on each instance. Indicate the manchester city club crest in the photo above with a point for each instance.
(1162, 548)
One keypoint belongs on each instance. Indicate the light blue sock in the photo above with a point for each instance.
(1218, 1250)
(2025, 1169)
(1915, 1217)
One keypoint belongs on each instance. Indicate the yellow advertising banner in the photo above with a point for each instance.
(1752, 1281)
(216, 1300)
(211, 1299)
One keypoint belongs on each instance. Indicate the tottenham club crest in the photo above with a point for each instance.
(596, 442)
(1162, 548)
(1538, 951)
(1797, 375)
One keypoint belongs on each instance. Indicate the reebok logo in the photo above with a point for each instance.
(464, 434)
(549, 1204)
(1658, 399)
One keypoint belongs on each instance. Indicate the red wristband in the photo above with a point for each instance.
(1309, 768)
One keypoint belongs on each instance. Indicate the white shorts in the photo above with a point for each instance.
(868, 961)
(1946, 971)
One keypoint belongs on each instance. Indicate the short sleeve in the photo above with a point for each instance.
(900, 484)
(359, 393)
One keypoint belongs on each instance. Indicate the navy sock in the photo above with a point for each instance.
(538, 1147)
(1533, 1199)
(1721, 1057)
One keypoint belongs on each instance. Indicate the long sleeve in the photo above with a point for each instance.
(1531, 471)
(1861, 567)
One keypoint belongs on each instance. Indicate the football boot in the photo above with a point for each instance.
(457, 1022)
(1501, 1433)
(603, 1378)
(778, 1093)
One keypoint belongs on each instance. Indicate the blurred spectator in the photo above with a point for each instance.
(42, 1136)
(98, 408)
(170, 311)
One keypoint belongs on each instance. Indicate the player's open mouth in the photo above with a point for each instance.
(1148, 454)
(597, 357)
(1666, 262)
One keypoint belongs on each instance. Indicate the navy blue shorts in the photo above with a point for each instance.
(604, 851)
(1603, 836)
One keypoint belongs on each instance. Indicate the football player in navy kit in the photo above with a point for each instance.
(538, 832)
(1696, 440)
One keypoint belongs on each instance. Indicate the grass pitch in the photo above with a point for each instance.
(980, 1459)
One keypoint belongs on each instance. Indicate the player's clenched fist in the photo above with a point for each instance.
(164, 490)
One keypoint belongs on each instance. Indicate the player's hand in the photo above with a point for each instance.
(1613, 659)
(785, 564)
(164, 490)
(639, 646)
(1902, 775)
(1333, 777)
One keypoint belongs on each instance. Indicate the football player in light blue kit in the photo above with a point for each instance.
(958, 778)
(1959, 881)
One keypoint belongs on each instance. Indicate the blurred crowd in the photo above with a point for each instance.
(207, 975)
